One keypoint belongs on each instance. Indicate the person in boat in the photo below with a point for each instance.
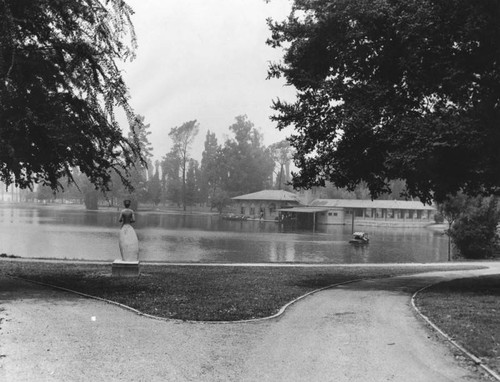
(359, 237)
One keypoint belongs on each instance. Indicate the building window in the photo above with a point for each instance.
(252, 210)
(242, 211)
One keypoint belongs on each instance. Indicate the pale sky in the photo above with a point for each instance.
(205, 60)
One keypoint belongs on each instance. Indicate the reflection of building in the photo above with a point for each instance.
(265, 204)
(364, 212)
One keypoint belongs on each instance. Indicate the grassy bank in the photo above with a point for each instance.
(469, 311)
(200, 292)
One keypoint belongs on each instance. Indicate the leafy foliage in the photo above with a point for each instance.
(219, 199)
(170, 166)
(452, 207)
(211, 170)
(60, 88)
(404, 89)
(192, 183)
(282, 155)
(137, 176)
(154, 185)
(474, 231)
(248, 164)
(242, 165)
(183, 137)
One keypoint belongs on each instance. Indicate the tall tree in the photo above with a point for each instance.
(210, 169)
(60, 87)
(183, 137)
(154, 185)
(170, 166)
(192, 182)
(282, 155)
(219, 199)
(248, 164)
(117, 191)
(401, 89)
(139, 175)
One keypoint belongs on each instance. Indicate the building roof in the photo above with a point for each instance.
(274, 195)
(304, 210)
(361, 203)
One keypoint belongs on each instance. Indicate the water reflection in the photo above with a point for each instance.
(74, 233)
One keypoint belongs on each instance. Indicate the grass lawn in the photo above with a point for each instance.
(469, 311)
(200, 292)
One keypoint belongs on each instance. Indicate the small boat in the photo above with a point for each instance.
(359, 238)
(234, 217)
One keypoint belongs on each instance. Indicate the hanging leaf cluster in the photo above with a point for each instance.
(402, 89)
(60, 89)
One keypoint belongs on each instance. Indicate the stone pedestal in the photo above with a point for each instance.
(122, 268)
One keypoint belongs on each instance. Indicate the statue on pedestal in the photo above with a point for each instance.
(129, 244)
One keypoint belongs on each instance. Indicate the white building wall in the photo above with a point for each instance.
(384, 217)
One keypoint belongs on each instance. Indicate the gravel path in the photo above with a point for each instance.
(365, 331)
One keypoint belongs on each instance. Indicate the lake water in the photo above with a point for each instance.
(73, 233)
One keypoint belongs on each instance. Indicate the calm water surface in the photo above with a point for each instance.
(74, 233)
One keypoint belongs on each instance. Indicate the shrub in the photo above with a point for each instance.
(474, 231)
(438, 218)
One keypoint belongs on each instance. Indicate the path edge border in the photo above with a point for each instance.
(176, 320)
(471, 356)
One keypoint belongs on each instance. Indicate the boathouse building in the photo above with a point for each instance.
(364, 212)
(264, 204)
(289, 207)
